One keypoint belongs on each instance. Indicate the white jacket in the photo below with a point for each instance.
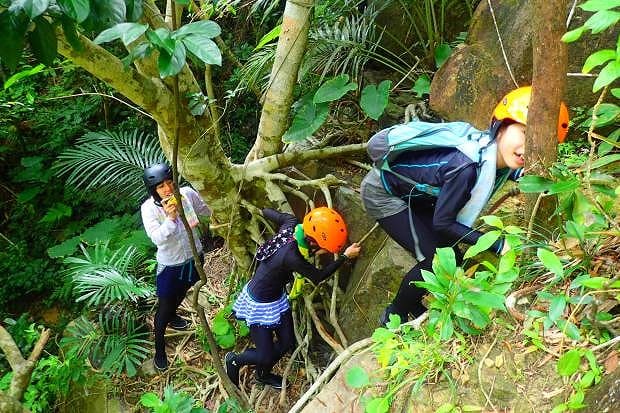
(169, 235)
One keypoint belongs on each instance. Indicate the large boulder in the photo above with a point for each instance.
(377, 272)
(475, 77)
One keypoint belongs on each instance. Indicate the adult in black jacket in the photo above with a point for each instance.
(263, 303)
(420, 203)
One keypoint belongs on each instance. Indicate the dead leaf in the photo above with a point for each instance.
(489, 363)
(499, 361)
(611, 362)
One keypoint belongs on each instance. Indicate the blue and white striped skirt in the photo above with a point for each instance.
(254, 312)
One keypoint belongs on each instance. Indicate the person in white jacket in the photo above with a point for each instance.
(176, 271)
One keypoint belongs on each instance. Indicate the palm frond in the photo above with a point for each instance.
(255, 72)
(110, 162)
(104, 277)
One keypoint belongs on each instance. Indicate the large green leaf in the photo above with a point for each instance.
(573, 35)
(598, 58)
(273, 34)
(607, 75)
(12, 31)
(357, 377)
(334, 89)
(32, 8)
(171, 64)
(601, 20)
(483, 244)
(375, 99)
(442, 53)
(484, 299)
(134, 10)
(57, 212)
(569, 363)
(556, 307)
(43, 41)
(105, 14)
(551, 262)
(203, 48)
(444, 262)
(205, 28)
(127, 32)
(563, 186)
(78, 10)
(307, 120)
(597, 5)
(533, 183)
(606, 114)
(606, 160)
(22, 75)
(422, 86)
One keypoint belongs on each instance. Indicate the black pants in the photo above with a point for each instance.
(408, 300)
(166, 310)
(267, 351)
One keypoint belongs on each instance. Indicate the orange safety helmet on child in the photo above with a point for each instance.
(515, 104)
(327, 228)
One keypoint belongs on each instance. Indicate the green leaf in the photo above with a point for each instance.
(134, 10)
(596, 283)
(422, 86)
(378, 405)
(608, 74)
(273, 34)
(170, 65)
(568, 364)
(606, 114)
(161, 39)
(598, 58)
(533, 183)
(22, 75)
(394, 322)
(43, 41)
(575, 402)
(65, 248)
(127, 32)
(483, 244)
(606, 160)
(447, 328)
(375, 99)
(78, 10)
(226, 340)
(243, 329)
(444, 262)
(598, 5)
(601, 20)
(442, 53)
(446, 408)
(616, 92)
(56, 212)
(493, 221)
(12, 31)
(221, 326)
(150, 400)
(569, 329)
(507, 262)
(105, 14)
(32, 8)
(573, 35)
(204, 49)
(560, 408)
(556, 308)
(334, 89)
(307, 120)
(551, 262)
(563, 186)
(202, 28)
(28, 194)
(484, 299)
(357, 377)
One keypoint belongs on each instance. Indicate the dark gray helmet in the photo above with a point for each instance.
(155, 175)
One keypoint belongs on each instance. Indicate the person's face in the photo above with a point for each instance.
(165, 189)
(511, 146)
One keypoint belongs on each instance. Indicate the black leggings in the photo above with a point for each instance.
(166, 311)
(267, 352)
(408, 300)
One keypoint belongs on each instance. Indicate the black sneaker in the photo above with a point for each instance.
(179, 323)
(160, 362)
(270, 379)
(232, 369)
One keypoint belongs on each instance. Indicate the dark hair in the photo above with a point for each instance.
(499, 125)
(155, 175)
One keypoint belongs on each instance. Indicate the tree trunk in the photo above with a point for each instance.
(279, 95)
(550, 60)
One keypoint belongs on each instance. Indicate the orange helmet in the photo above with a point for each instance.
(326, 227)
(514, 106)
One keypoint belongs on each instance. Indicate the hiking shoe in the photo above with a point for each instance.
(179, 323)
(232, 369)
(160, 362)
(270, 379)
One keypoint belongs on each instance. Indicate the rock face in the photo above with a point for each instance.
(377, 272)
(605, 397)
(475, 77)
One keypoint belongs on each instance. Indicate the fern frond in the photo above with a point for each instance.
(110, 162)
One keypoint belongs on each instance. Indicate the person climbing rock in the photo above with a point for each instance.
(430, 196)
(263, 303)
(176, 271)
